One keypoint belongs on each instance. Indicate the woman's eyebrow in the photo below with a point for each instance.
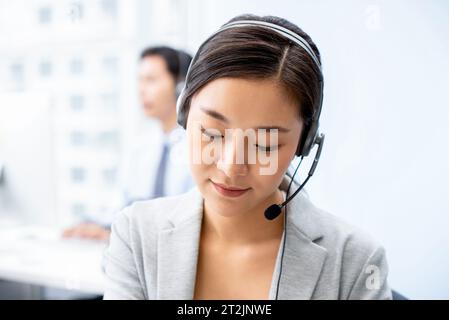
(280, 129)
(219, 116)
(215, 114)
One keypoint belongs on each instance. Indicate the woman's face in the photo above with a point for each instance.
(238, 175)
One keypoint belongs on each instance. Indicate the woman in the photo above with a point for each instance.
(214, 242)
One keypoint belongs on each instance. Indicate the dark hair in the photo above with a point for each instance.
(258, 53)
(177, 61)
(184, 63)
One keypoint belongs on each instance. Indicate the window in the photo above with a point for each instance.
(17, 72)
(77, 102)
(76, 11)
(45, 15)
(77, 138)
(109, 7)
(79, 209)
(45, 68)
(76, 66)
(109, 176)
(78, 175)
(110, 102)
(110, 65)
(108, 139)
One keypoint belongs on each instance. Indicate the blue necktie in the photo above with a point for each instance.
(159, 183)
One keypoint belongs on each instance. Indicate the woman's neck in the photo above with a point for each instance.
(245, 227)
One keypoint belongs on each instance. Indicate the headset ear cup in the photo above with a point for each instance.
(309, 140)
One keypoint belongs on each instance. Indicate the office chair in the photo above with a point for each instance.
(397, 295)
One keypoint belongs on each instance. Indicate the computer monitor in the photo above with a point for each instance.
(27, 183)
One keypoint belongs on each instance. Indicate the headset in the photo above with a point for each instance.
(184, 60)
(311, 133)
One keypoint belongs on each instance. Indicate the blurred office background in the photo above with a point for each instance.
(68, 109)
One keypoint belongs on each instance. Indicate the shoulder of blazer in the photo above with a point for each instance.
(326, 229)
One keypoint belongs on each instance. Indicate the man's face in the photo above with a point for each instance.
(156, 88)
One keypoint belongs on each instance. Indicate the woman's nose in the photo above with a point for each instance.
(232, 160)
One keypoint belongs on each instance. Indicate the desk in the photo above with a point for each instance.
(37, 255)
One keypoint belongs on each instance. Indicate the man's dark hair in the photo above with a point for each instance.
(177, 61)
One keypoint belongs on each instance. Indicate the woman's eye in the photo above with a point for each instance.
(266, 148)
(210, 135)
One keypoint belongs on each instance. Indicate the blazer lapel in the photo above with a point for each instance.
(178, 245)
(301, 268)
(303, 258)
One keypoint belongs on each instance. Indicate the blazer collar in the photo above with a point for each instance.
(303, 259)
(178, 245)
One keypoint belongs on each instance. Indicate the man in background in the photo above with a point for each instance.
(155, 167)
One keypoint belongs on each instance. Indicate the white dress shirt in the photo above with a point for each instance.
(143, 162)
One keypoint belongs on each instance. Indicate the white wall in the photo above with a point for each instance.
(26, 151)
(384, 166)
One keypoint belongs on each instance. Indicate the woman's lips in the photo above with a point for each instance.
(228, 191)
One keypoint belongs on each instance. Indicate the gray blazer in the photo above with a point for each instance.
(153, 253)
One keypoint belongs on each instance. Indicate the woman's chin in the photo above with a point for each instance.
(225, 211)
(229, 209)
